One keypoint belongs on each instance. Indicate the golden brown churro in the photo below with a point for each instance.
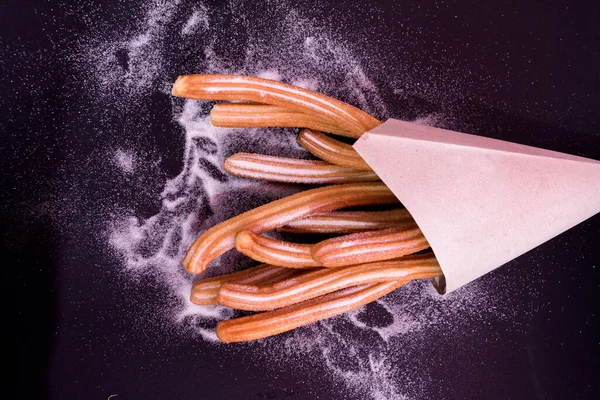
(282, 276)
(399, 240)
(270, 323)
(365, 247)
(205, 291)
(344, 222)
(244, 88)
(246, 115)
(275, 252)
(220, 238)
(331, 150)
(313, 284)
(242, 108)
(292, 170)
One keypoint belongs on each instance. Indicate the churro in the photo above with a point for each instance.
(292, 170)
(313, 284)
(271, 323)
(344, 222)
(204, 291)
(252, 115)
(371, 246)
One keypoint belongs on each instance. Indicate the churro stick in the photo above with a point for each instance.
(298, 255)
(283, 275)
(221, 237)
(274, 274)
(245, 88)
(271, 323)
(330, 149)
(291, 170)
(344, 222)
(205, 291)
(313, 284)
(365, 247)
(244, 108)
(251, 115)
(275, 252)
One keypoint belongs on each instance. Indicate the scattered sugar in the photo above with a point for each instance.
(125, 160)
(270, 74)
(198, 20)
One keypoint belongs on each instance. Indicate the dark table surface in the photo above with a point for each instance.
(96, 164)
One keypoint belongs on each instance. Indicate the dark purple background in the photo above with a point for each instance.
(533, 78)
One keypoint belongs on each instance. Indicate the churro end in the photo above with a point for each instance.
(227, 166)
(222, 332)
(179, 85)
(193, 265)
(202, 299)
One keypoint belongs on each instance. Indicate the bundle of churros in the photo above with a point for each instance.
(373, 245)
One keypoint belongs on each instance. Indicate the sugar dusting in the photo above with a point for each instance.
(367, 349)
(157, 244)
(125, 160)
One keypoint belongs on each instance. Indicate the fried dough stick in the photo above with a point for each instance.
(292, 170)
(344, 222)
(204, 291)
(243, 296)
(253, 115)
(371, 246)
(271, 323)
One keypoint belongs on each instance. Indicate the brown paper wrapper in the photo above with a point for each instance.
(480, 202)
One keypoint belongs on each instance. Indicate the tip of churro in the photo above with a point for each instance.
(187, 261)
(227, 165)
(221, 332)
(194, 264)
(201, 298)
(178, 86)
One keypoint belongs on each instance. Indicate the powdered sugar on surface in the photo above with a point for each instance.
(368, 350)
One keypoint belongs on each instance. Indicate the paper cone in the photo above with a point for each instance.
(480, 202)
